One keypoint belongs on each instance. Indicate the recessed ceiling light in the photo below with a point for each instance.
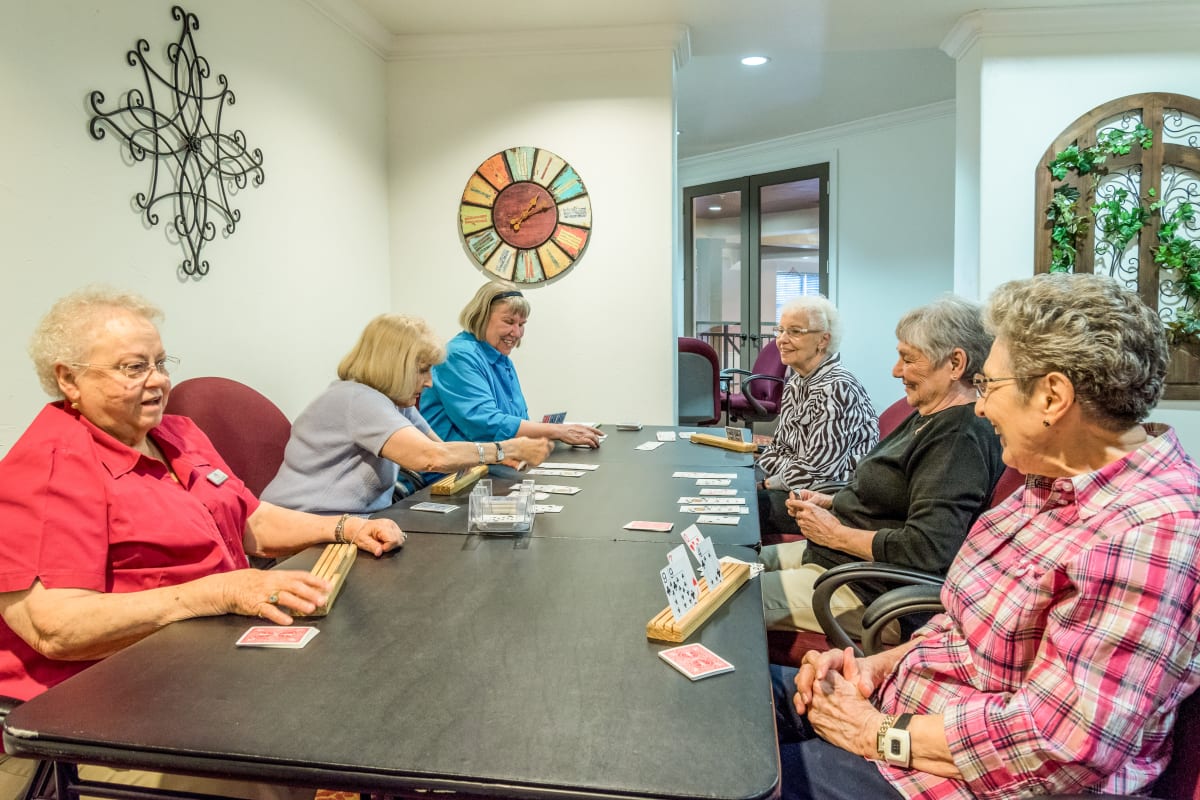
(755, 61)
(714, 208)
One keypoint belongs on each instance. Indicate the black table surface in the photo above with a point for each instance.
(501, 667)
(614, 494)
(622, 446)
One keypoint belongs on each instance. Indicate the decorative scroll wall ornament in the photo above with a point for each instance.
(174, 124)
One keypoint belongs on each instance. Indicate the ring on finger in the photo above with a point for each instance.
(273, 598)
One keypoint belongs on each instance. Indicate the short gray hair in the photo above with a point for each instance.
(64, 334)
(950, 322)
(1107, 342)
(475, 315)
(820, 312)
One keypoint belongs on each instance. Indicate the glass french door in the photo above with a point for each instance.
(751, 245)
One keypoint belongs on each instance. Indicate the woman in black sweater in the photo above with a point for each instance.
(913, 498)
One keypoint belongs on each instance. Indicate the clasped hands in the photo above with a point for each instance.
(811, 511)
(832, 689)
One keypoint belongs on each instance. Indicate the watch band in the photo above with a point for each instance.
(886, 725)
(499, 453)
(482, 458)
(895, 744)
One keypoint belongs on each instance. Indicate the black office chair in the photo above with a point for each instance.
(699, 383)
(759, 395)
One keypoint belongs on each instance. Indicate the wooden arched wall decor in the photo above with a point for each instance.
(1118, 193)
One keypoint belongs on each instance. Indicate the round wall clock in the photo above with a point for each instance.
(525, 215)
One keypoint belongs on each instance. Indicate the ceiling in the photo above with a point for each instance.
(832, 61)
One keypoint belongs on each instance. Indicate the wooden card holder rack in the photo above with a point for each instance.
(333, 565)
(457, 481)
(720, 441)
(665, 628)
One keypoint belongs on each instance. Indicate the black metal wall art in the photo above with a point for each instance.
(174, 124)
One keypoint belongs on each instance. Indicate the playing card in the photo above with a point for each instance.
(714, 482)
(561, 465)
(691, 536)
(709, 567)
(679, 561)
(713, 501)
(556, 418)
(629, 426)
(707, 493)
(562, 473)
(717, 519)
(538, 508)
(553, 489)
(705, 475)
(645, 525)
(735, 434)
(441, 508)
(665, 436)
(713, 509)
(277, 636)
(649, 445)
(673, 584)
(696, 661)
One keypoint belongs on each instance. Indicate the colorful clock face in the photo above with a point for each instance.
(525, 215)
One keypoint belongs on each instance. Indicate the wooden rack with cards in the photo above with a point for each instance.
(720, 441)
(457, 481)
(333, 565)
(665, 628)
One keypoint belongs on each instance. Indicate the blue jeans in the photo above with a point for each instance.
(812, 768)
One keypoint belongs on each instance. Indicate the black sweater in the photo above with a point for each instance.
(920, 490)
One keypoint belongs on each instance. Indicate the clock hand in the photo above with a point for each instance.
(515, 222)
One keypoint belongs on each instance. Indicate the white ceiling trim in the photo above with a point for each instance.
(1072, 21)
(351, 18)
(715, 163)
(634, 38)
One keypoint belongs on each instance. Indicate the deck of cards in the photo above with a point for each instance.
(292, 636)
(695, 660)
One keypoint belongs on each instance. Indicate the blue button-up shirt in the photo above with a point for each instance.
(475, 396)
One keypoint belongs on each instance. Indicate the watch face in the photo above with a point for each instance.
(525, 215)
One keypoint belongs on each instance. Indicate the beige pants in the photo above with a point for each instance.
(15, 774)
(787, 590)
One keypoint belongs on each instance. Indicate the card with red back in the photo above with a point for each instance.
(277, 636)
(647, 525)
(696, 661)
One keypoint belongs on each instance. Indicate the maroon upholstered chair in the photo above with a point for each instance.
(761, 390)
(699, 383)
(247, 429)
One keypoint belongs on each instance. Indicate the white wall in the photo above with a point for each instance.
(599, 343)
(308, 264)
(891, 218)
(1029, 76)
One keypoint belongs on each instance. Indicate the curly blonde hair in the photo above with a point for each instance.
(64, 334)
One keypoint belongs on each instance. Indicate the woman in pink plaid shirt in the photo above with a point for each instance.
(1070, 635)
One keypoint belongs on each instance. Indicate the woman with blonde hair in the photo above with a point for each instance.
(347, 447)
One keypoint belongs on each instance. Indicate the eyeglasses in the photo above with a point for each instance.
(793, 333)
(983, 384)
(138, 370)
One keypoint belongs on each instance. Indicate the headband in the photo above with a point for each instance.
(504, 295)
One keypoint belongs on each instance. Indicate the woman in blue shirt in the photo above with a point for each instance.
(475, 394)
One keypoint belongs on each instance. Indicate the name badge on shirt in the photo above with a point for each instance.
(217, 477)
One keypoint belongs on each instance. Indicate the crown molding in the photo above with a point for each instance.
(636, 38)
(1073, 21)
(350, 17)
(826, 138)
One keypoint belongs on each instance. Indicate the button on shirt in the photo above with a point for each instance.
(1070, 635)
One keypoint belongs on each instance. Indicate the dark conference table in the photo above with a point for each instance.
(615, 493)
(505, 667)
(499, 666)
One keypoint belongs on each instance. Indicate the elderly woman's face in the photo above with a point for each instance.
(926, 387)
(803, 352)
(424, 381)
(1015, 419)
(124, 408)
(505, 328)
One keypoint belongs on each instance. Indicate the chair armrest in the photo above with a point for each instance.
(842, 574)
(7, 704)
(729, 372)
(750, 398)
(921, 598)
